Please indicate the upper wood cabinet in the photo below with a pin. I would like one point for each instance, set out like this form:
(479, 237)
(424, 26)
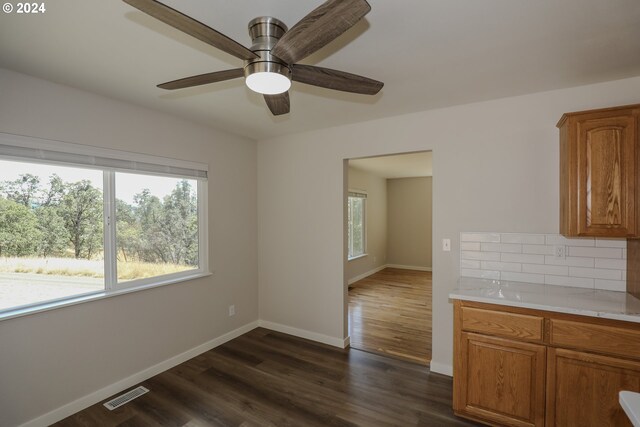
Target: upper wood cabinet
(599, 155)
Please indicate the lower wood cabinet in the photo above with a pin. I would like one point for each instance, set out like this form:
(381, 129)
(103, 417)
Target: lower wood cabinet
(583, 388)
(505, 380)
(519, 367)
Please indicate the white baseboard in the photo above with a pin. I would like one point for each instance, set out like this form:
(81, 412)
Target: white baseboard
(313, 336)
(346, 342)
(99, 395)
(408, 267)
(366, 274)
(441, 368)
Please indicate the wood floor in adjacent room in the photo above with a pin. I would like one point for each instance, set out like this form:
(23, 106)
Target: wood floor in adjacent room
(390, 313)
(266, 378)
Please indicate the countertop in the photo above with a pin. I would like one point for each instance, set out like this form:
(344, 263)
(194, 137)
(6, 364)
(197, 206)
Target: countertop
(630, 402)
(561, 299)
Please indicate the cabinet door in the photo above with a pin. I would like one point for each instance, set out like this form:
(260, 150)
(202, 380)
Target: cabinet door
(582, 389)
(500, 381)
(607, 176)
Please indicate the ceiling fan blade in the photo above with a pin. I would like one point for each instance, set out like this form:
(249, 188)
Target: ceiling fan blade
(334, 79)
(318, 28)
(278, 104)
(203, 79)
(192, 27)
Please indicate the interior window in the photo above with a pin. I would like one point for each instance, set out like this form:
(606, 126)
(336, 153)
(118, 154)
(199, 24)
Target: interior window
(356, 224)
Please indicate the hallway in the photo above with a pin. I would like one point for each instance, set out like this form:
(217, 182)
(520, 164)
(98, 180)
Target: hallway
(390, 314)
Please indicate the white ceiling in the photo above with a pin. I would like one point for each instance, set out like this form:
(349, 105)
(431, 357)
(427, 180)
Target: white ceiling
(429, 54)
(398, 166)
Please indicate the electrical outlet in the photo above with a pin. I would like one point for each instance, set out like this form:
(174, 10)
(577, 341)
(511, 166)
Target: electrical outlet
(446, 245)
(232, 310)
(559, 251)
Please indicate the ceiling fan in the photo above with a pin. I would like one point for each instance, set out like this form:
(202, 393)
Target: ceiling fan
(271, 63)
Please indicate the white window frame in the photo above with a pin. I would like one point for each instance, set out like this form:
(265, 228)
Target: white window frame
(363, 195)
(54, 152)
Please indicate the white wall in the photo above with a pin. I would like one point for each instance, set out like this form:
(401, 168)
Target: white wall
(409, 222)
(52, 358)
(495, 168)
(376, 223)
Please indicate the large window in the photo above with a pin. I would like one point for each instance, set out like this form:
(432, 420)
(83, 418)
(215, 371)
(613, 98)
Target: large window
(156, 226)
(51, 232)
(356, 224)
(74, 230)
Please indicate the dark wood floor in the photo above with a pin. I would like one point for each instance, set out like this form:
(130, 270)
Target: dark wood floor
(390, 313)
(265, 378)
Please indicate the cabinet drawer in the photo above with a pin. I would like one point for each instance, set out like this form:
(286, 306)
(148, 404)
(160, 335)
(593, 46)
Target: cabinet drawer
(499, 323)
(598, 338)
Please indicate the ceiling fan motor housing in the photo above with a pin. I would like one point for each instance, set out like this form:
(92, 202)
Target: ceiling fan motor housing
(265, 32)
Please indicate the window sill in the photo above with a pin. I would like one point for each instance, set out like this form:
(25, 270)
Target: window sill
(53, 305)
(357, 257)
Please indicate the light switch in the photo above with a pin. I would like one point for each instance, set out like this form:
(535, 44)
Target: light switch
(446, 245)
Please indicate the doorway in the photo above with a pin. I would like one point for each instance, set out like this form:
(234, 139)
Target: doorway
(388, 264)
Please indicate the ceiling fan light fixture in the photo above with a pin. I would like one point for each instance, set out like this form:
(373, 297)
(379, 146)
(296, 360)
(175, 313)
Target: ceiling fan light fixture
(267, 78)
(272, 62)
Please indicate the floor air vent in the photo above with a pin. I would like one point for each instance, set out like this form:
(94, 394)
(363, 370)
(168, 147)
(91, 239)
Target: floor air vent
(125, 398)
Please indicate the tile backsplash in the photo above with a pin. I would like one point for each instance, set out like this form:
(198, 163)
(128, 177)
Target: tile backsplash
(549, 259)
